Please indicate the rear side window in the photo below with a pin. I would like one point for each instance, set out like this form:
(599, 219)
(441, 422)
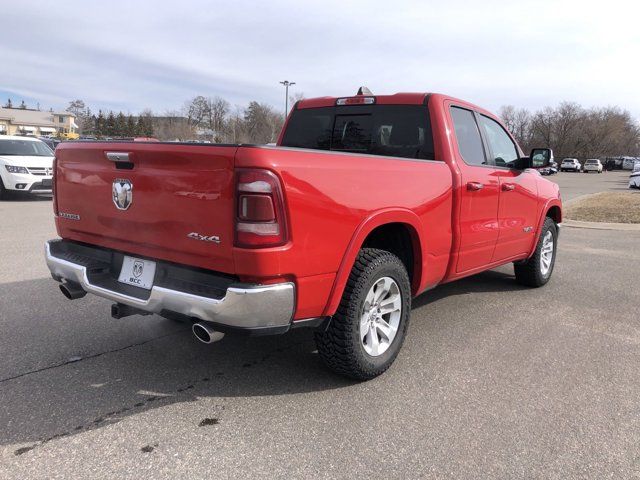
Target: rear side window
(468, 136)
(502, 148)
(389, 130)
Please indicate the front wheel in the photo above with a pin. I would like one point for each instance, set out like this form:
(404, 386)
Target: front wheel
(536, 271)
(366, 333)
(3, 191)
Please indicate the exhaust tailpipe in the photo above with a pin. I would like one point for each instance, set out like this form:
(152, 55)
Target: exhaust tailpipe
(205, 333)
(72, 290)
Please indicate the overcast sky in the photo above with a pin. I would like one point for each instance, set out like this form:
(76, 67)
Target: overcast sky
(130, 55)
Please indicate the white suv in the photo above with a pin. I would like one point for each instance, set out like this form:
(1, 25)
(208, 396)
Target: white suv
(593, 165)
(634, 178)
(570, 164)
(26, 165)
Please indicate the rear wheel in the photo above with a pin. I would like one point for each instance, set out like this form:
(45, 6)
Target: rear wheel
(367, 332)
(537, 270)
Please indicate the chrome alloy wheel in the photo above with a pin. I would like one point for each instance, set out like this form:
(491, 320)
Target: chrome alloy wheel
(380, 316)
(546, 254)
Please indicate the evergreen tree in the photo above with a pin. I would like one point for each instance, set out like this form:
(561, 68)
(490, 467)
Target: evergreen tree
(87, 121)
(140, 127)
(148, 127)
(121, 125)
(93, 125)
(9, 103)
(100, 124)
(110, 124)
(131, 127)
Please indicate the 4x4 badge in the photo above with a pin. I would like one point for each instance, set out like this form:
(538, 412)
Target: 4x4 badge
(204, 238)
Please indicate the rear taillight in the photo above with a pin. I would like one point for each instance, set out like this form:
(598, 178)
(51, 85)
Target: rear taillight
(53, 186)
(260, 214)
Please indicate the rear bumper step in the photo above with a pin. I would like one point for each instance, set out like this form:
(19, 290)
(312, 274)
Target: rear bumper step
(213, 298)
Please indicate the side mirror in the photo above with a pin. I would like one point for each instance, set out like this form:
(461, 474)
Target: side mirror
(541, 157)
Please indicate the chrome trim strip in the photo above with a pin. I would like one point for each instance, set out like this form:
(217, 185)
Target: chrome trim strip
(243, 306)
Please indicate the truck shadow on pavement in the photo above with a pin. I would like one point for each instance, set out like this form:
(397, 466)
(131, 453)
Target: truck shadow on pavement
(80, 389)
(490, 281)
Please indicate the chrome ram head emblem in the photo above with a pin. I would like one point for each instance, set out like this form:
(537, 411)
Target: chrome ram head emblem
(122, 191)
(138, 267)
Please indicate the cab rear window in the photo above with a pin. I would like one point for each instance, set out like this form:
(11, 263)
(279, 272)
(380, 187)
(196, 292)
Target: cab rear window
(389, 130)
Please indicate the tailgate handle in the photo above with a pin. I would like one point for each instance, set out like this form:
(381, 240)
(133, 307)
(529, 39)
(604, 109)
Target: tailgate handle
(118, 156)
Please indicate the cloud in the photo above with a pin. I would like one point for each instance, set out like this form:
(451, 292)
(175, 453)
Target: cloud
(157, 54)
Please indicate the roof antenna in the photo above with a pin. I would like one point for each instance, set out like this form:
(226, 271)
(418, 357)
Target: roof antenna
(364, 91)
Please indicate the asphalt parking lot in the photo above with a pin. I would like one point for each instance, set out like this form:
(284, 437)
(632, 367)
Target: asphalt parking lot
(494, 380)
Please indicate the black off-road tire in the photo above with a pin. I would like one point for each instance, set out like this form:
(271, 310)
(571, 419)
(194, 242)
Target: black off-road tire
(340, 346)
(529, 272)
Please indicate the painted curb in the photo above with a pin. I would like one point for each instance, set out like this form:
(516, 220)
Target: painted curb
(627, 227)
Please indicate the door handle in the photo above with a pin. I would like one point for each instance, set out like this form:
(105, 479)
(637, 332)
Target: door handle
(474, 186)
(508, 187)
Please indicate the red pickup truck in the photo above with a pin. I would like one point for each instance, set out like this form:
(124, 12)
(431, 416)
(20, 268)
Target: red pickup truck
(365, 202)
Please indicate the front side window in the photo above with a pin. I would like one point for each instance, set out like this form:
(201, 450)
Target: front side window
(503, 149)
(468, 136)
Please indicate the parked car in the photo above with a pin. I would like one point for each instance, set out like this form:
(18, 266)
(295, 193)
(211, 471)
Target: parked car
(593, 165)
(570, 165)
(552, 169)
(26, 165)
(628, 163)
(365, 202)
(634, 178)
(51, 142)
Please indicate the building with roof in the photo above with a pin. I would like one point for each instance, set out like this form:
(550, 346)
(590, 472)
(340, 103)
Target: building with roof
(25, 121)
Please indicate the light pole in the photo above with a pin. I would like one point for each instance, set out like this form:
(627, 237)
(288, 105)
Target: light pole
(286, 84)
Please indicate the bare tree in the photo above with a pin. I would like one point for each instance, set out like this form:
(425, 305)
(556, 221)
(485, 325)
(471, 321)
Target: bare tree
(197, 110)
(209, 115)
(218, 111)
(173, 125)
(262, 123)
(236, 132)
(295, 98)
(76, 107)
(573, 131)
(518, 121)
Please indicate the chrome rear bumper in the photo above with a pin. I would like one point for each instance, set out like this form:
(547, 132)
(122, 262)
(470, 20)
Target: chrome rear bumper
(244, 306)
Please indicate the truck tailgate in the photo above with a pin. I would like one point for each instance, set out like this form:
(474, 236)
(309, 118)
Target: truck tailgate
(181, 200)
